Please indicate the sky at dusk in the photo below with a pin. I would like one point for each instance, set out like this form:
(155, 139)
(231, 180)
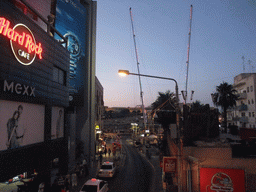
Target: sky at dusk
(222, 32)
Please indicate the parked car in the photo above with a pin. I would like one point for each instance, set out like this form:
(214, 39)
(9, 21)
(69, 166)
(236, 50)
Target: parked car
(95, 185)
(107, 169)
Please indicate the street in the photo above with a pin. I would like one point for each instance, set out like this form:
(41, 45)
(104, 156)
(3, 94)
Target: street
(135, 174)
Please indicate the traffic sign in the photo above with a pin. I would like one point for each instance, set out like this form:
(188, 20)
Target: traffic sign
(170, 164)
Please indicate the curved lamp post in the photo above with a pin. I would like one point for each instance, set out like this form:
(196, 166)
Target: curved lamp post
(126, 72)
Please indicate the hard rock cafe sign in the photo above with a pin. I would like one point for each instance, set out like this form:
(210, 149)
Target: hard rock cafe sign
(22, 42)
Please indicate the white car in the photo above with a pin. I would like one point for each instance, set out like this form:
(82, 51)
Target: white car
(95, 185)
(107, 169)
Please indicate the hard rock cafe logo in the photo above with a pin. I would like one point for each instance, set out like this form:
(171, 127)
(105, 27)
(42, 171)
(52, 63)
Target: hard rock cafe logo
(22, 41)
(221, 182)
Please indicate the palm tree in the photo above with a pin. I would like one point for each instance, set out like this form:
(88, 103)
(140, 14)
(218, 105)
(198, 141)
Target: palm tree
(164, 107)
(225, 97)
(196, 106)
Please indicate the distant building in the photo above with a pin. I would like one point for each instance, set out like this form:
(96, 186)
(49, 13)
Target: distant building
(243, 115)
(99, 109)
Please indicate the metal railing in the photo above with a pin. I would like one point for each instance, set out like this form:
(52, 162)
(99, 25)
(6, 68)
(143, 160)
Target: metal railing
(49, 25)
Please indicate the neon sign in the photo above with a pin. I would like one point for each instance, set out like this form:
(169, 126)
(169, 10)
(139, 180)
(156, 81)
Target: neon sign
(21, 37)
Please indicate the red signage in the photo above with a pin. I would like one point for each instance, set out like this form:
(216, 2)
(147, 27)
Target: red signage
(169, 164)
(220, 180)
(22, 41)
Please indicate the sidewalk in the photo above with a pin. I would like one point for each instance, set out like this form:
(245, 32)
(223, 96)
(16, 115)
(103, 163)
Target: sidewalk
(93, 169)
(157, 185)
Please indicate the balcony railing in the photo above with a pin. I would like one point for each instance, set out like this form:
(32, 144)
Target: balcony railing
(236, 118)
(243, 119)
(49, 25)
(242, 107)
(242, 95)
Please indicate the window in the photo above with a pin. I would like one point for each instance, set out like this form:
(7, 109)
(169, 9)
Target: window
(252, 101)
(249, 114)
(248, 102)
(247, 89)
(252, 114)
(243, 114)
(59, 76)
(251, 88)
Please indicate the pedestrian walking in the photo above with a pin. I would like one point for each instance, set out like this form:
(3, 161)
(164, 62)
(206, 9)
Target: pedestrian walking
(77, 169)
(85, 167)
(41, 187)
(105, 151)
(100, 158)
(109, 152)
(66, 184)
(148, 154)
(55, 186)
(68, 178)
(74, 179)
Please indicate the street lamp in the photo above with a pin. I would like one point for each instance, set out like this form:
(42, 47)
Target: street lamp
(126, 72)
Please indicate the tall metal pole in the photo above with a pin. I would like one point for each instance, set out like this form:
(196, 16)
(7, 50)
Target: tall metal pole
(179, 128)
(137, 59)
(189, 37)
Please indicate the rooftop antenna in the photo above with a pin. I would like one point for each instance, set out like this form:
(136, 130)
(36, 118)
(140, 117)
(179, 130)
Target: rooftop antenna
(250, 65)
(137, 59)
(189, 37)
(243, 64)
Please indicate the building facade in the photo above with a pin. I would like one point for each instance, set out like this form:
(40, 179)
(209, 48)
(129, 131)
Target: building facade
(243, 115)
(76, 21)
(47, 77)
(34, 93)
(99, 110)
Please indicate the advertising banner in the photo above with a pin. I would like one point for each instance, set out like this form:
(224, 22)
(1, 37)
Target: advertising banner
(220, 180)
(21, 124)
(71, 23)
(169, 164)
(57, 122)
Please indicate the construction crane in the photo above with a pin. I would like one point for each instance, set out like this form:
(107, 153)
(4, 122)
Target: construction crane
(137, 59)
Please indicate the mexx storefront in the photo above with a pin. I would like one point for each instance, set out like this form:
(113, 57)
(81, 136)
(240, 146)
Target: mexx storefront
(34, 71)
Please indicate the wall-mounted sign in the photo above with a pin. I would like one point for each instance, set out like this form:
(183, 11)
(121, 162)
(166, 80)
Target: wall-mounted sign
(169, 164)
(22, 41)
(21, 124)
(218, 180)
(19, 89)
(71, 22)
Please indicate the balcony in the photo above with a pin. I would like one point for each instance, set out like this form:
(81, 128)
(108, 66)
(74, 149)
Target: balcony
(243, 119)
(236, 118)
(242, 96)
(242, 107)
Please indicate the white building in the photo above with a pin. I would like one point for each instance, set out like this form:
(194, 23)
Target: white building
(243, 115)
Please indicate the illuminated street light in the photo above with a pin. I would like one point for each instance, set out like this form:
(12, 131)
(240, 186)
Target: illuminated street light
(177, 108)
(126, 72)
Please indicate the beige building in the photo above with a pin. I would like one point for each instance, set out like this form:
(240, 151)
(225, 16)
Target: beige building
(243, 115)
(215, 165)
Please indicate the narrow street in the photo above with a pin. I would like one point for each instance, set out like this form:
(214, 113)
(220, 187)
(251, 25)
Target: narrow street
(135, 174)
